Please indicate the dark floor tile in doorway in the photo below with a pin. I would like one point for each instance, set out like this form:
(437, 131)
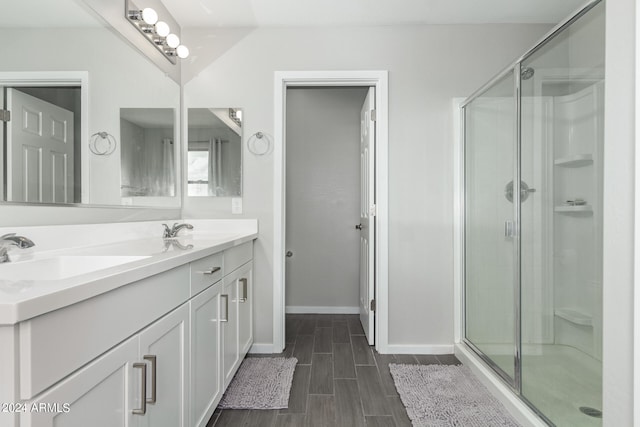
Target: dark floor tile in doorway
(362, 354)
(343, 365)
(321, 374)
(303, 349)
(323, 337)
(341, 332)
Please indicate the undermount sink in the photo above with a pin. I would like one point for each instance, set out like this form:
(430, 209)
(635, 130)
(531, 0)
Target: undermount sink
(61, 267)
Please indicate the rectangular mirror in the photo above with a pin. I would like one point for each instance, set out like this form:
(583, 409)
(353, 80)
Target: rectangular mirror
(148, 153)
(214, 152)
(52, 119)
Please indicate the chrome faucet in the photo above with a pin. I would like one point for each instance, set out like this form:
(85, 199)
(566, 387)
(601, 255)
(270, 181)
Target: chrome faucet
(9, 240)
(171, 233)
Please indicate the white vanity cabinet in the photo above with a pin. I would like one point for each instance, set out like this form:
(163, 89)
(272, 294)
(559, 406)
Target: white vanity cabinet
(109, 391)
(206, 382)
(157, 352)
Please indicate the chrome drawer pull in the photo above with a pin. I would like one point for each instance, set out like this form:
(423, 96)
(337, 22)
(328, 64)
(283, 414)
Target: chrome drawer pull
(143, 389)
(153, 360)
(226, 309)
(211, 270)
(244, 282)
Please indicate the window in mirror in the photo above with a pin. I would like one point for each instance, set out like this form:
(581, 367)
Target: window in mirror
(214, 153)
(147, 152)
(42, 140)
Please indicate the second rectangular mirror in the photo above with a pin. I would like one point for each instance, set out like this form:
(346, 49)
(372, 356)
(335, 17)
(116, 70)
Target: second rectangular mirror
(214, 153)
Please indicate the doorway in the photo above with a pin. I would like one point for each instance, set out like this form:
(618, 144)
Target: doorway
(323, 188)
(375, 211)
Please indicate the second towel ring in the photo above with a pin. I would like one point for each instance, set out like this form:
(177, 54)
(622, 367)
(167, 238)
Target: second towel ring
(259, 143)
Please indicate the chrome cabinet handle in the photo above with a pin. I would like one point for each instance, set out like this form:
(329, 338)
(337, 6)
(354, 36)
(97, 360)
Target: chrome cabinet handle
(226, 308)
(153, 360)
(143, 389)
(210, 271)
(244, 282)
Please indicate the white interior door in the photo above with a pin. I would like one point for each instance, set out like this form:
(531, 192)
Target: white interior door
(367, 215)
(39, 150)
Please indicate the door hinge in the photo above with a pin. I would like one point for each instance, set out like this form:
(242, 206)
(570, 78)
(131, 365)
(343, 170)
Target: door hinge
(373, 305)
(374, 115)
(373, 210)
(5, 115)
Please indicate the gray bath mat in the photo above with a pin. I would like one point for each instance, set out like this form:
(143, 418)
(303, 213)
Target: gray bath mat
(441, 395)
(260, 383)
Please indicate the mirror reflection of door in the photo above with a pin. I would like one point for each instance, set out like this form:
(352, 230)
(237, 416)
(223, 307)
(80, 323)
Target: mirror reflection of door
(40, 139)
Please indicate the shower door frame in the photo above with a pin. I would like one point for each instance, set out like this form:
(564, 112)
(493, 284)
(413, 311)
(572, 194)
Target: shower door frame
(514, 385)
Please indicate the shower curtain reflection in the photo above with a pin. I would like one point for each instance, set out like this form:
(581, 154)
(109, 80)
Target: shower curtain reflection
(147, 152)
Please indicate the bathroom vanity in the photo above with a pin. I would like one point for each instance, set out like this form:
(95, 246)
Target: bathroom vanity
(142, 332)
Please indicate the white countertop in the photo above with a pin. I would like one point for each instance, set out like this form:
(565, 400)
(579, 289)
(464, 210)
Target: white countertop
(23, 299)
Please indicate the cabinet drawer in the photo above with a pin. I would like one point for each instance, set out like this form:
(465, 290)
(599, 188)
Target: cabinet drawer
(205, 272)
(57, 343)
(237, 256)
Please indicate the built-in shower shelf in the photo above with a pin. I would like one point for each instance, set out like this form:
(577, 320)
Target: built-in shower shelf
(574, 316)
(570, 209)
(575, 161)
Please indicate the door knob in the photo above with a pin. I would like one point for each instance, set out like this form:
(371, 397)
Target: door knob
(359, 227)
(289, 254)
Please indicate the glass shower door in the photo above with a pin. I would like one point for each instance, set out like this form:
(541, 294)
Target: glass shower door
(562, 114)
(490, 245)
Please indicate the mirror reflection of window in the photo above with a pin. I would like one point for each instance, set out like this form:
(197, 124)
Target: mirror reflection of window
(214, 153)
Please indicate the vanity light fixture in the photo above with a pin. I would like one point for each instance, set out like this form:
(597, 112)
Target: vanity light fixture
(157, 32)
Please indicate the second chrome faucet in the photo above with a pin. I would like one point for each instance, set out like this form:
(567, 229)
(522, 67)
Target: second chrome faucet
(170, 233)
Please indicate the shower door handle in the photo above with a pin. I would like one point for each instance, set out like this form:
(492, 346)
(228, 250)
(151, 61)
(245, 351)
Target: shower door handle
(509, 228)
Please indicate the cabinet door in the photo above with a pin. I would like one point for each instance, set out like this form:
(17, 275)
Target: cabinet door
(229, 326)
(98, 395)
(164, 347)
(245, 309)
(206, 383)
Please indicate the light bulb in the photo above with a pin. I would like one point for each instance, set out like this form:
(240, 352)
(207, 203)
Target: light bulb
(173, 40)
(162, 29)
(182, 51)
(149, 16)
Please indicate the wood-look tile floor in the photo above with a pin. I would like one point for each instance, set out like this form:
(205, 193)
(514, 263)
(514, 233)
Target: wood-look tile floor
(339, 379)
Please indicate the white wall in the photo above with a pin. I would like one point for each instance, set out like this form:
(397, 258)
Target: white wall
(428, 65)
(619, 170)
(323, 198)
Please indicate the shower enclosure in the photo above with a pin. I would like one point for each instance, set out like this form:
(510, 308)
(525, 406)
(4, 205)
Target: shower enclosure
(532, 257)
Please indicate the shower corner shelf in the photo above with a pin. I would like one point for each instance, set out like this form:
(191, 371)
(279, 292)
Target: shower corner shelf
(575, 161)
(574, 316)
(572, 209)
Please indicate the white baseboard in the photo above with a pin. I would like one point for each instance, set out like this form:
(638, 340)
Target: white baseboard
(518, 409)
(261, 348)
(299, 309)
(419, 349)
